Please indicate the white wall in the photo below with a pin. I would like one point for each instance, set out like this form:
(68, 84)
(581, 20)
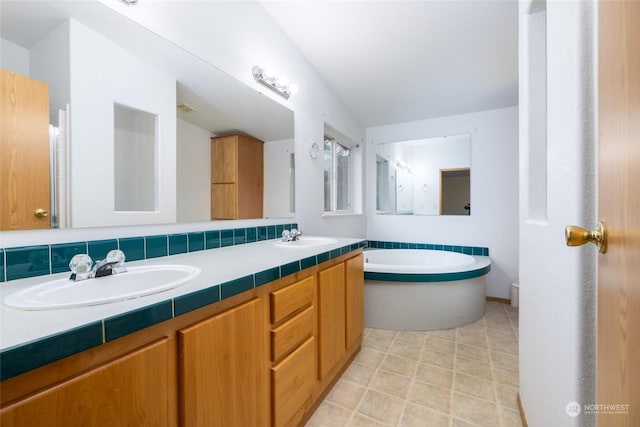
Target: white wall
(105, 74)
(49, 62)
(14, 57)
(277, 174)
(193, 173)
(494, 191)
(557, 283)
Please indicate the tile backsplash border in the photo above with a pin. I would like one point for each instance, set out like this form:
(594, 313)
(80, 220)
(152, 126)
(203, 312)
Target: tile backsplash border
(21, 262)
(38, 260)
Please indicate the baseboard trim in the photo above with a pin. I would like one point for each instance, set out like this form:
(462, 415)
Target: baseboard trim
(523, 417)
(502, 300)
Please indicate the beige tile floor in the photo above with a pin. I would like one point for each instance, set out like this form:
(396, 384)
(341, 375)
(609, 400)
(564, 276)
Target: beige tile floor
(459, 377)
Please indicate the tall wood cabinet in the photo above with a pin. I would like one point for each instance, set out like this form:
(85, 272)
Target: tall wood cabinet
(237, 177)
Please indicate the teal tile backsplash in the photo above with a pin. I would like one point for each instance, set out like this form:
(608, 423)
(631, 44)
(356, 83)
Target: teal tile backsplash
(27, 261)
(133, 248)
(226, 238)
(2, 269)
(157, 246)
(177, 244)
(98, 249)
(262, 233)
(212, 239)
(196, 241)
(61, 255)
(30, 261)
(239, 236)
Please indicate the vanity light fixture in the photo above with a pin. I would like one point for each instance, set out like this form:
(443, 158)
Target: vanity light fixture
(271, 82)
(129, 2)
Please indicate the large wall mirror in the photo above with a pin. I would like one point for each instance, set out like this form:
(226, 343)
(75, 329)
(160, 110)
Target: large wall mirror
(132, 116)
(424, 177)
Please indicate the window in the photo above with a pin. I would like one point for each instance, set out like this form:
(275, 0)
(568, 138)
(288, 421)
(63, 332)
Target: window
(337, 176)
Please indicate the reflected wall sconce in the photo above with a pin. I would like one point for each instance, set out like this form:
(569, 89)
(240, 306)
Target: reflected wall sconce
(314, 150)
(271, 82)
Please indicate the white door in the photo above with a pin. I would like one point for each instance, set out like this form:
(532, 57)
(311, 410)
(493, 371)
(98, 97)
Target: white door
(557, 187)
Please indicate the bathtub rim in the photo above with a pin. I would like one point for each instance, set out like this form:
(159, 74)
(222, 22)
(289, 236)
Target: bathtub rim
(481, 267)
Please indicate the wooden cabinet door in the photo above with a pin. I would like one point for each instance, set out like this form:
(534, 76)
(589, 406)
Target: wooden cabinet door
(130, 391)
(292, 382)
(224, 203)
(250, 178)
(224, 159)
(354, 294)
(331, 317)
(24, 152)
(222, 369)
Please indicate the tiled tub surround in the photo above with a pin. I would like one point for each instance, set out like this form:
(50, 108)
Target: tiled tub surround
(467, 250)
(33, 338)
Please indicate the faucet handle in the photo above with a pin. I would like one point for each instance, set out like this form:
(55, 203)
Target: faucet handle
(115, 257)
(81, 267)
(80, 263)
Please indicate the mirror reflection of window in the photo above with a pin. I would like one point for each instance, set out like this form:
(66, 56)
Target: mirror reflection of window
(382, 182)
(337, 175)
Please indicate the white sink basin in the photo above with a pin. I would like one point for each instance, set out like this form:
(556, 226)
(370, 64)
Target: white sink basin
(306, 242)
(135, 283)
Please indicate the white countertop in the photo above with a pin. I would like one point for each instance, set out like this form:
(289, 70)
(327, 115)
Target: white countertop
(18, 327)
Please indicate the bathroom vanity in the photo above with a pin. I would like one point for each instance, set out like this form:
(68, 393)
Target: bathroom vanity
(257, 357)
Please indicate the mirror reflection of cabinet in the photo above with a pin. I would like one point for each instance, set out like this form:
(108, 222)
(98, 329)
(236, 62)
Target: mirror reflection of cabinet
(24, 153)
(237, 177)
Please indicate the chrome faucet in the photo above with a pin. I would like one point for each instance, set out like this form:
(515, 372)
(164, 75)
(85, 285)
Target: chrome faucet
(291, 236)
(82, 266)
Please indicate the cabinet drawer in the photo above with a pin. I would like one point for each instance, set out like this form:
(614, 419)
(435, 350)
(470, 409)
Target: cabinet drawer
(293, 381)
(287, 301)
(287, 336)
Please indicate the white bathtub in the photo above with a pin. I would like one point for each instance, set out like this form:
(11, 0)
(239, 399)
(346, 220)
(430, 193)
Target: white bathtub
(415, 289)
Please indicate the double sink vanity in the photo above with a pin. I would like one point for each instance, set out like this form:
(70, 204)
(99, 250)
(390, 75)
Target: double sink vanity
(247, 335)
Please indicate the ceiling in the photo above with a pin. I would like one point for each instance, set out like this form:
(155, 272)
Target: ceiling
(395, 61)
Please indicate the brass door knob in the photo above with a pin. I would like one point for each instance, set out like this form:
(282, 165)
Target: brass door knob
(578, 236)
(41, 212)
